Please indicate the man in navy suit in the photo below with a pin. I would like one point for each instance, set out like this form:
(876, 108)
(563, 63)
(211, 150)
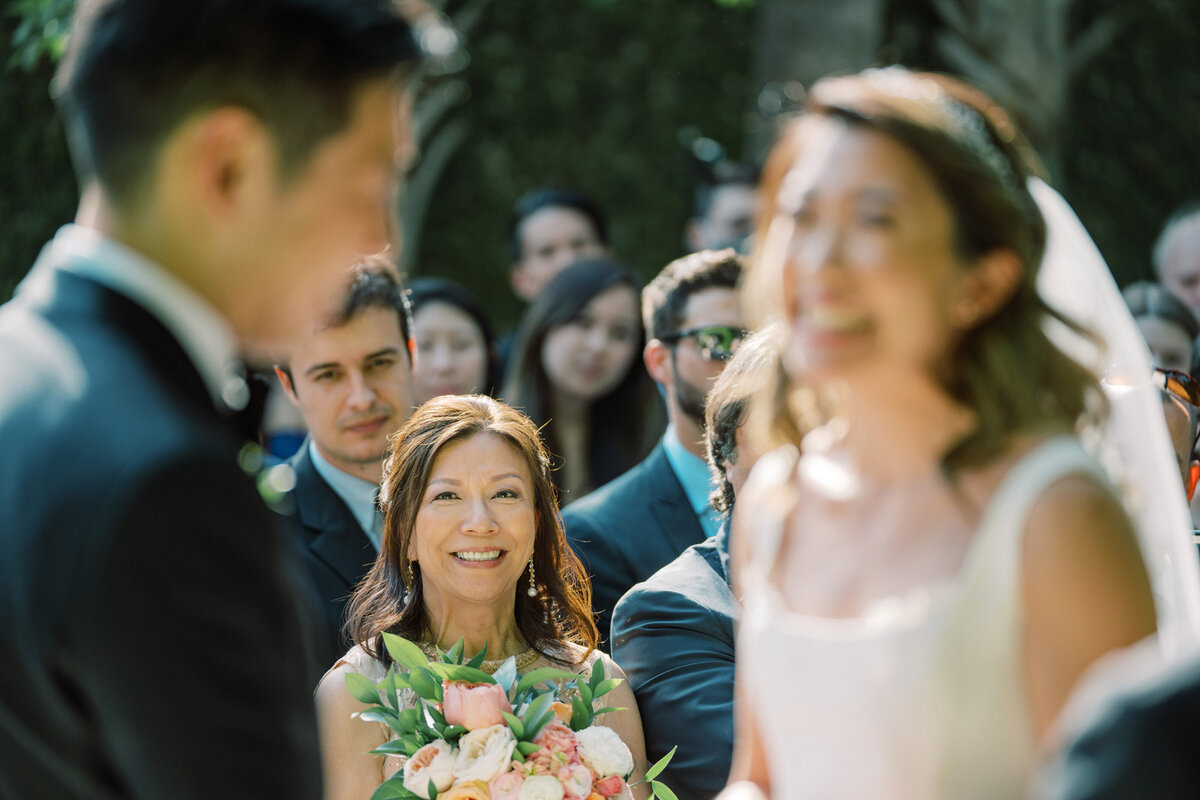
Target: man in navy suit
(673, 633)
(351, 379)
(233, 156)
(638, 522)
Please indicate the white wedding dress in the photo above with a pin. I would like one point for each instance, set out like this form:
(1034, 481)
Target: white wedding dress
(922, 697)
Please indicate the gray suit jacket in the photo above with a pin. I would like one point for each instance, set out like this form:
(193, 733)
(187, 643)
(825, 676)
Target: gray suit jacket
(673, 636)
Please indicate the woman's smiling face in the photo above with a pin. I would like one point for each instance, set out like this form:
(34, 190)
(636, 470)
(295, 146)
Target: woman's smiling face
(474, 530)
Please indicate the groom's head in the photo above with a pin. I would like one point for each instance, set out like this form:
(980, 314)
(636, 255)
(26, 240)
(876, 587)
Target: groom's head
(243, 144)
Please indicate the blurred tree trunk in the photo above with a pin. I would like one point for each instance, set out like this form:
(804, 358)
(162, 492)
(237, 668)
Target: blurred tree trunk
(799, 42)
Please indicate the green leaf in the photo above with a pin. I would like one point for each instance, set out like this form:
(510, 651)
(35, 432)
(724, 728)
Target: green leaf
(581, 714)
(514, 724)
(597, 675)
(478, 658)
(459, 672)
(384, 715)
(506, 675)
(606, 686)
(537, 708)
(454, 654)
(409, 718)
(528, 748)
(660, 765)
(585, 693)
(660, 789)
(387, 688)
(536, 676)
(396, 747)
(404, 652)
(610, 709)
(425, 685)
(362, 688)
(393, 789)
(452, 732)
(436, 716)
(433, 792)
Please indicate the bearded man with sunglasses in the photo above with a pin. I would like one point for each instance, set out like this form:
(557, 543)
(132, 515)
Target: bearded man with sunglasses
(629, 528)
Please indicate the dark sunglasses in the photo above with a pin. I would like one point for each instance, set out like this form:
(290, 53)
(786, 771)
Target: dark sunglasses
(716, 342)
(1184, 389)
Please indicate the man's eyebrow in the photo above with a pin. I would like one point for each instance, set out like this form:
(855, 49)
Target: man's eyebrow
(387, 351)
(322, 367)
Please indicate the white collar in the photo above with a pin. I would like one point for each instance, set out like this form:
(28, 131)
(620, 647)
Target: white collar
(205, 335)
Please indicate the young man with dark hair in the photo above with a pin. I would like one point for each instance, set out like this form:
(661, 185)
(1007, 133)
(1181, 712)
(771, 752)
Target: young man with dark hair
(351, 378)
(232, 157)
(627, 529)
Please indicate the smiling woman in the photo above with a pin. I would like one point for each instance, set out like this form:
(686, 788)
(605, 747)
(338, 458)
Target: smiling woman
(473, 550)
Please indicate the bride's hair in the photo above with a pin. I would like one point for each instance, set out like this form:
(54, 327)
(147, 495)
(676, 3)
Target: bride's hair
(1006, 368)
(560, 610)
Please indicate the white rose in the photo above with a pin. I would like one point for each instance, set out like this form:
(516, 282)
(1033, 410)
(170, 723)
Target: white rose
(602, 750)
(485, 753)
(541, 787)
(433, 762)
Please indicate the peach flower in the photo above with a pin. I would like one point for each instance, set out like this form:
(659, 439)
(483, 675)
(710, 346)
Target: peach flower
(612, 786)
(433, 762)
(467, 790)
(474, 705)
(507, 785)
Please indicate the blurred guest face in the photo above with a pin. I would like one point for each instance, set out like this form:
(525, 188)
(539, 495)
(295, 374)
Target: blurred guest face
(1169, 344)
(552, 239)
(730, 218)
(473, 533)
(352, 383)
(747, 456)
(451, 352)
(587, 357)
(870, 273)
(692, 374)
(1181, 267)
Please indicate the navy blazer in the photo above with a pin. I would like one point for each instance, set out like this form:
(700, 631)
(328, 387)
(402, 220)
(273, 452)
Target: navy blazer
(1142, 745)
(628, 529)
(150, 620)
(337, 553)
(673, 636)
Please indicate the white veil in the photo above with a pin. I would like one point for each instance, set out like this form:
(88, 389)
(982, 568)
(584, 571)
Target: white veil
(1133, 444)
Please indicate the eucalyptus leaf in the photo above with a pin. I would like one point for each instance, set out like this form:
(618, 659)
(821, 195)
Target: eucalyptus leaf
(660, 765)
(606, 686)
(534, 677)
(514, 724)
(534, 727)
(538, 707)
(661, 790)
(506, 676)
(404, 652)
(362, 688)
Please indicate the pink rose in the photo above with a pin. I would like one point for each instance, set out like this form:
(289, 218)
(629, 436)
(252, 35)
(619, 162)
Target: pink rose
(507, 785)
(576, 780)
(473, 705)
(611, 786)
(558, 739)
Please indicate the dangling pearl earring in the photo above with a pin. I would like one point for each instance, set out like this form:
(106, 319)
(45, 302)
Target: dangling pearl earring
(408, 584)
(532, 590)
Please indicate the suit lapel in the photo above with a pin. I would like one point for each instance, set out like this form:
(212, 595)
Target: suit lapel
(339, 540)
(672, 512)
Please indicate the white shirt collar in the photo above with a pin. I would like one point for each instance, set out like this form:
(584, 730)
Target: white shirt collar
(205, 335)
(358, 494)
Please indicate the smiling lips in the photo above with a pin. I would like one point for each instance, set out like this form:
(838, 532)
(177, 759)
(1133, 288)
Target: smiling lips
(479, 555)
(369, 425)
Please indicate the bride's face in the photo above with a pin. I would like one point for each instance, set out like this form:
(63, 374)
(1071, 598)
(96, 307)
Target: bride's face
(870, 275)
(474, 529)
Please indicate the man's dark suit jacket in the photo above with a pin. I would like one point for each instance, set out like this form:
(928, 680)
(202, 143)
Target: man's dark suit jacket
(152, 638)
(628, 529)
(673, 636)
(1141, 747)
(336, 552)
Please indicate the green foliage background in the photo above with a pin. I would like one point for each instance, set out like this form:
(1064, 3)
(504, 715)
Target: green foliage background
(599, 94)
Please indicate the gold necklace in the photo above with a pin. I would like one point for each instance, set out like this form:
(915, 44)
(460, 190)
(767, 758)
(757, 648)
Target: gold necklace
(524, 658)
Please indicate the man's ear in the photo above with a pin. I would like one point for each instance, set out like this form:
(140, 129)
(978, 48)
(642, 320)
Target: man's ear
(657, 357)
(232, 160)
(988, 285)
(286, 383)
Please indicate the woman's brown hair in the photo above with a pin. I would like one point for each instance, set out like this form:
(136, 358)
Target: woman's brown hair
(561, 610)
(1005, 368)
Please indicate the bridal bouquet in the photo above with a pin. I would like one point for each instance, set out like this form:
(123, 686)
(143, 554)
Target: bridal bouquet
(475, 736)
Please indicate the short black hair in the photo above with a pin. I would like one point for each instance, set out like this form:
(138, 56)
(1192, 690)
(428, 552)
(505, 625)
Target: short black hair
(134, 70)
(553, 197)
(726, 173)
(664, 300)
